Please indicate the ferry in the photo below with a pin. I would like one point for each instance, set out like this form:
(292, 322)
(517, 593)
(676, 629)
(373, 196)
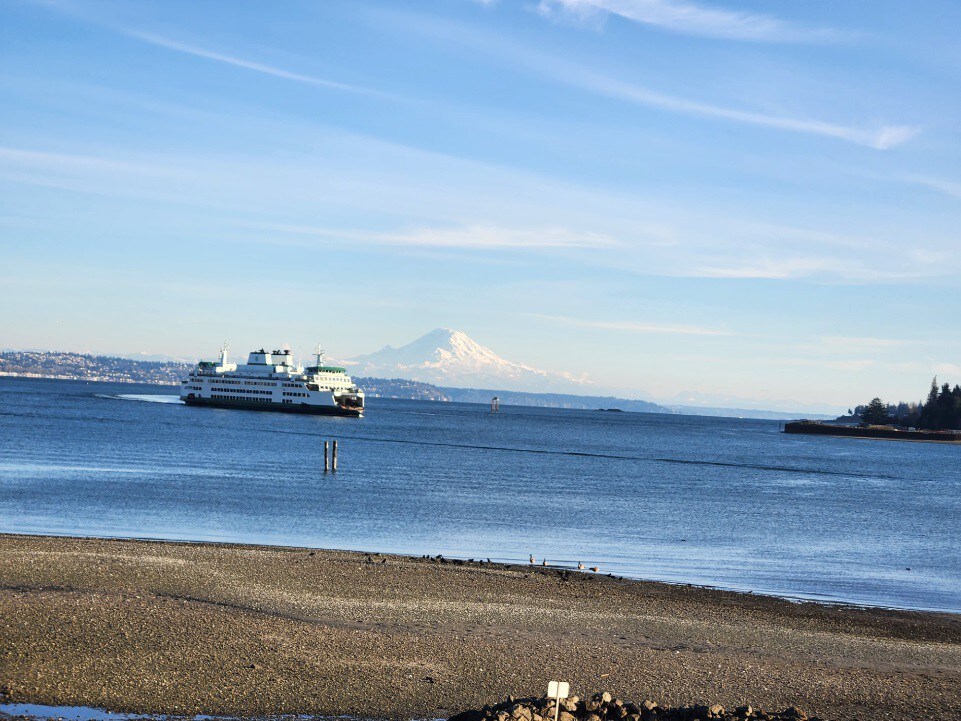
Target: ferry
(271, 381)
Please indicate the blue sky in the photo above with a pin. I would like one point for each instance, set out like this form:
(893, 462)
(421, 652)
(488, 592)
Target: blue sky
(760, 199)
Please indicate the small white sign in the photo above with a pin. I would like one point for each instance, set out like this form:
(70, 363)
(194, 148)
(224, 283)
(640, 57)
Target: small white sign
(558, 689)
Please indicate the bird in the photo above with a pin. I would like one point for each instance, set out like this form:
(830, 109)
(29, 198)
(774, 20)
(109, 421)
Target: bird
(544, 562)
(595, 569)
(532, 558)
(580, 566)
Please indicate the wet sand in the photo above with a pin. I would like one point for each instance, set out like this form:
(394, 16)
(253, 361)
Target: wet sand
(249, 630)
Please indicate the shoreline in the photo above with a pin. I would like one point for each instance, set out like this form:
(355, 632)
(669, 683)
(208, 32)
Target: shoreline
(244, 630)
(880, 433)
(517, 565)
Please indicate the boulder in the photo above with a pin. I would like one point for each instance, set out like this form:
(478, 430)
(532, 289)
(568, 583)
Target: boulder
(520, 712)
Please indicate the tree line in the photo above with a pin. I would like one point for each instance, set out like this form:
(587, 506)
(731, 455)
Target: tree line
(940, 412)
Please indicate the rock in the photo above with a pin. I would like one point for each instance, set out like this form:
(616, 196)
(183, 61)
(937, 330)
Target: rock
(520, 712)
(604, 707)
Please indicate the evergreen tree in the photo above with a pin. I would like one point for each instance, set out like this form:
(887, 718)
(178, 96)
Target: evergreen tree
(876, 413)
(929, 411)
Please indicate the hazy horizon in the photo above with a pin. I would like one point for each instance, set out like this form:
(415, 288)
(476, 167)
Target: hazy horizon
(741, 199)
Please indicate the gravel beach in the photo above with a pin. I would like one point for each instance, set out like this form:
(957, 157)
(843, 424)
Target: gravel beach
(248, 630)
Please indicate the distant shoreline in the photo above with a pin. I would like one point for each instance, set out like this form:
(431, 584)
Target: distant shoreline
(184, 628)
(474, 396)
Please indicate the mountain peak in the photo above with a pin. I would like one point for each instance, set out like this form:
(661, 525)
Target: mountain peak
(449, 357)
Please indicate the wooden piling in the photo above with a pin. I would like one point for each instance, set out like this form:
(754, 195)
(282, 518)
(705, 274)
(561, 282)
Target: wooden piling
(334, 457)
(326, 458)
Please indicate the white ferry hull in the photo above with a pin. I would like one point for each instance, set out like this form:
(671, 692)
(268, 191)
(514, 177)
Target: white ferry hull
(331, 410)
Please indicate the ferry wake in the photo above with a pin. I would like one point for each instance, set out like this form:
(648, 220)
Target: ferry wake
(270, 381)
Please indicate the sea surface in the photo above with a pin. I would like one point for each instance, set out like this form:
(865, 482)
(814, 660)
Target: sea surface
(711, 501)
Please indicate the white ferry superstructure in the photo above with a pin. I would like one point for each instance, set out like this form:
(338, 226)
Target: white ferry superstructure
(271, 381)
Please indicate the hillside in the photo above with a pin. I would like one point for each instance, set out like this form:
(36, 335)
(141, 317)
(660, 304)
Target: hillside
(78, 366)
(552, 400)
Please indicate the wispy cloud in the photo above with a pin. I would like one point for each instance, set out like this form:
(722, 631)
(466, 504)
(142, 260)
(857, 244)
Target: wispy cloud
(768, 268)
(691, 19)
(634, 326)
(83, 13)
(881, 138)
(797, 267)
(468, 236)
(854, 344)
(57, 162)
(950, 188)
(196, 51)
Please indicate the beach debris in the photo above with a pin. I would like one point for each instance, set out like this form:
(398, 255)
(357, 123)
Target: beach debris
(605, 705)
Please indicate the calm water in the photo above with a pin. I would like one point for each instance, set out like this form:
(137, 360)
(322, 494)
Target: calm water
(723, 502)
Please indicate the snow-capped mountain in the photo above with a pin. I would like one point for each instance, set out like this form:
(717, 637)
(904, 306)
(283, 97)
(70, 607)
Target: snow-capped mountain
(448, 357)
